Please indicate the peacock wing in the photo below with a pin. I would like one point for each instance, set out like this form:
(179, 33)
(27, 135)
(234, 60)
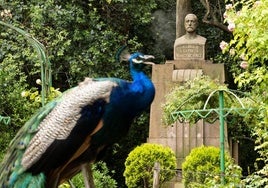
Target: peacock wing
(66, 127)
(49, 135)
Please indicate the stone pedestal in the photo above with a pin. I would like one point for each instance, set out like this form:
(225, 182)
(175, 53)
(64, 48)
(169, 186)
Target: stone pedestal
(182, 137)
(190, 49)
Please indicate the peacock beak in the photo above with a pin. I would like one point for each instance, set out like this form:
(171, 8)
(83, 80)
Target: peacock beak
(147, 57)
(148, 63)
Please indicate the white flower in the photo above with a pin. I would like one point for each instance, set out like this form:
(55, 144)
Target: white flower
(223, 45)
(231, 26)
(243, 57)
(228, 6)
(24, 94)
(232, 51)
(6, 13)
(225, 15)
(257, 3)
(244, 64)
(38, 81)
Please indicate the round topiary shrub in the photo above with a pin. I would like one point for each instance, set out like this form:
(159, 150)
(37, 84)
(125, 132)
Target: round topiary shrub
(140, 163)
(202, 168)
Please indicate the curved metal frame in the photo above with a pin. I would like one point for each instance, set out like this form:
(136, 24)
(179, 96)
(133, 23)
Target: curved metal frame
(222, 113)
(45, 65)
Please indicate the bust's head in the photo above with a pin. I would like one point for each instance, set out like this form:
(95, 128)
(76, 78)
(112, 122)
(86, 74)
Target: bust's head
(190, 23)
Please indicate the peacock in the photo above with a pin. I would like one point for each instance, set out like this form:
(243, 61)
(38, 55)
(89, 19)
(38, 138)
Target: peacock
(76, 128)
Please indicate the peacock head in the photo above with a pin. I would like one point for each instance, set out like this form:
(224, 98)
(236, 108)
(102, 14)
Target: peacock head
(138, 59)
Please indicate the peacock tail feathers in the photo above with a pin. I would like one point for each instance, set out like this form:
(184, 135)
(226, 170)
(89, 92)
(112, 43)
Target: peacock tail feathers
(64, 117)
(26, 180)
(12, 173)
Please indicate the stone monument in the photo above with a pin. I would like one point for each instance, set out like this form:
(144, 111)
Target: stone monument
(189, 62)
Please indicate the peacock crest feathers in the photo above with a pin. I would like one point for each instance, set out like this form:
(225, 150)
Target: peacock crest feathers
(122, 54)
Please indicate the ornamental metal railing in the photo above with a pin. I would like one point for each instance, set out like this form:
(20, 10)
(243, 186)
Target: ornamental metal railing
(5, 120)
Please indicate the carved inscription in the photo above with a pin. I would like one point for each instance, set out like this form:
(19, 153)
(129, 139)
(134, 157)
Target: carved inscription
(190, 51)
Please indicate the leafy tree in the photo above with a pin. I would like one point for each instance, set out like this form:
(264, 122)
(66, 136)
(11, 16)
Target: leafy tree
(247, 20)
(102, 176)
(249, 43)
(140, 163)
(81, 37)
(201, 168)
(13, 83)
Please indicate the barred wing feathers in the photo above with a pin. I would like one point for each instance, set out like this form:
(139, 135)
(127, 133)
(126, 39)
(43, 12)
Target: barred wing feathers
(51, 132)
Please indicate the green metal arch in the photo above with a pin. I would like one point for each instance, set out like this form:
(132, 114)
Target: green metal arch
(45, 65)
(221, 112)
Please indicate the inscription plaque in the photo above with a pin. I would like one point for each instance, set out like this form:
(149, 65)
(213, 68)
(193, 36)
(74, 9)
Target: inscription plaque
(190, 51)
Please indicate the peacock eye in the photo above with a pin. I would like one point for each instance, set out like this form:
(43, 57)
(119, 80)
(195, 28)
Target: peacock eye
(21, 145)
(137, 61)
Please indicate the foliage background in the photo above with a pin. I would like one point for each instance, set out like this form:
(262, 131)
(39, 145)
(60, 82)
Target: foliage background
(249, 19)
(82, 37)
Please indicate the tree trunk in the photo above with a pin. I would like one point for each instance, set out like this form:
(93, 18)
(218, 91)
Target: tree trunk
(182, 9)
(88, 176)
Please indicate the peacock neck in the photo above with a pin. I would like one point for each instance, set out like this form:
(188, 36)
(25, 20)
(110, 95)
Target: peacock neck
(137, 74)
(140, 79)
(142, 86)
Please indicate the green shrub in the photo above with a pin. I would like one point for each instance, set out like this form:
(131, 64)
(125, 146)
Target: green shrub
(202, 168)
(140, 163)
(101, 176)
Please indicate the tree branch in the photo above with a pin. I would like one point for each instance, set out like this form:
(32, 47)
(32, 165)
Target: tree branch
(218, 25)
(210, 16)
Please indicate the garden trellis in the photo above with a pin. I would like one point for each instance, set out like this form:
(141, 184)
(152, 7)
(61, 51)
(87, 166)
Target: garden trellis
(218, 113)
(45, 63)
